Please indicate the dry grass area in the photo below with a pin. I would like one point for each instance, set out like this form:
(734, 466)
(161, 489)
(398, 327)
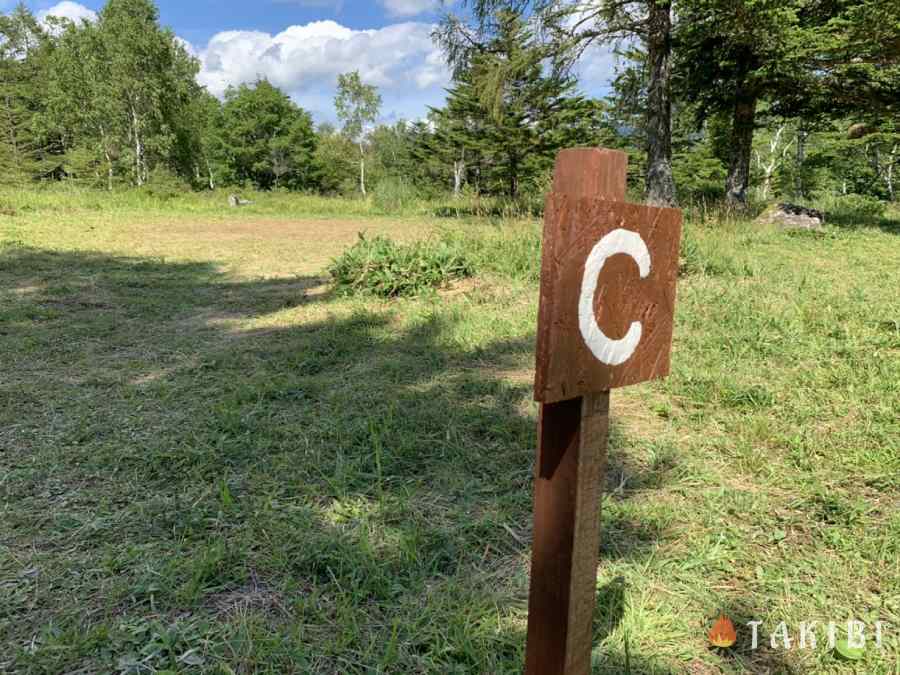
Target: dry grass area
(243, 245)
(209, 462)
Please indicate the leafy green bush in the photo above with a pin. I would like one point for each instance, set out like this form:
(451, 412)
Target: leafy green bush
(164, 185)
(382, 267)
(853, 206)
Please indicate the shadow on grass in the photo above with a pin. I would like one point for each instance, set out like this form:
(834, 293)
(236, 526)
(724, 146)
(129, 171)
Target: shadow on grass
(372, 470)
(852, 221)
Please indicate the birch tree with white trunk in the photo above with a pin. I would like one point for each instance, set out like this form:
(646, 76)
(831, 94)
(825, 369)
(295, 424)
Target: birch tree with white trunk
(358, 106)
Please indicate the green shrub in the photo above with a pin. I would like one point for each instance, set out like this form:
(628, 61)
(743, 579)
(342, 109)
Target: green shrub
(855, 207)
(164, 185)
(382, 267)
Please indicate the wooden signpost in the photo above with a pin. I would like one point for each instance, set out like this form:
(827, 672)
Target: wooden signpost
(607, 308)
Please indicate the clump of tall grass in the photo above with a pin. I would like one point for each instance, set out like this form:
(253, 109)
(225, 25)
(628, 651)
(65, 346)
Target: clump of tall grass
(393, 196)
(710, 251)
(510, 251)
(852, 209)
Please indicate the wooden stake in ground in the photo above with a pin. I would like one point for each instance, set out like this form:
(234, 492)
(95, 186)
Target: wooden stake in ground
(607, 308)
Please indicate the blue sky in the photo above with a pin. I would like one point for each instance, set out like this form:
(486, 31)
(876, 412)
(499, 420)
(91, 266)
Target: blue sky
(302, 45)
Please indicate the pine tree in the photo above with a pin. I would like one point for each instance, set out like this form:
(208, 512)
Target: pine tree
(508, 114)
(25, 150)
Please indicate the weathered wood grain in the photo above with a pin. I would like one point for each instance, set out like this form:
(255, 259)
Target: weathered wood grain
(568, 474)
(591, 172)
(565, 365)
(586, 222)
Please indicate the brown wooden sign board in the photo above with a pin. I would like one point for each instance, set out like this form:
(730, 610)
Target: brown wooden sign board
(607, 308)
(607, 295)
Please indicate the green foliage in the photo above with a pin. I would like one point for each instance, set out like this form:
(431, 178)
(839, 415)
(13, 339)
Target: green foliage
(393, 195)
(699, 174)
(854, 208)
(265, 139)
(335, 162)
(26, 146)
(115, 103)
(379, 266)
(118, 95)
(396, 156)
(847, 652)
(507, 114)
(165, 185)
(357, 105)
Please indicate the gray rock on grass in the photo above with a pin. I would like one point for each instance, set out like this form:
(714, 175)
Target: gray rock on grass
(234, 201)
(793, 217)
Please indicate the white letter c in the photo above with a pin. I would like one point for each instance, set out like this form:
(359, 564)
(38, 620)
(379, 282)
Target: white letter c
(610, 352)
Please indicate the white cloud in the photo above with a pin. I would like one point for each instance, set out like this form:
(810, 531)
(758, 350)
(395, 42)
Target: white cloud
(188, 47)
(409, 7)
(597, 68)
(68, 10)
(400, 59)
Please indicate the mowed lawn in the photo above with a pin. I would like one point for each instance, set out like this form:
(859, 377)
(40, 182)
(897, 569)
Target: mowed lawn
(210, 463)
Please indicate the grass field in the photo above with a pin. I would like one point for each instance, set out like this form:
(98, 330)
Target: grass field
(211, 463)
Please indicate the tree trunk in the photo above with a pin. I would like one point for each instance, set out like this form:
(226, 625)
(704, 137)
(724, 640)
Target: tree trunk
(660, 182)
(775, 160)
(742, 128)
(799, 188)
(362, 176)
(138, 147)
(459, 169)
(889, 172)
(109, 172)
(109, 162)
(362, 170)
(212, 181)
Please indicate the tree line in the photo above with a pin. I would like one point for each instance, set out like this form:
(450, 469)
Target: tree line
(712, 99)
(702, 78)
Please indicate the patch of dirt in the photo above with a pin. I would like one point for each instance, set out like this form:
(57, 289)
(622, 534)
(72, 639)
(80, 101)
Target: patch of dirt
(629, 408)
(461, 287)
(513, 376)
(253, 597)
(316, 230)
(260, 248)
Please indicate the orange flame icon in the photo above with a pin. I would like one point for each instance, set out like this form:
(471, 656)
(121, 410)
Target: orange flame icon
(723, 634)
